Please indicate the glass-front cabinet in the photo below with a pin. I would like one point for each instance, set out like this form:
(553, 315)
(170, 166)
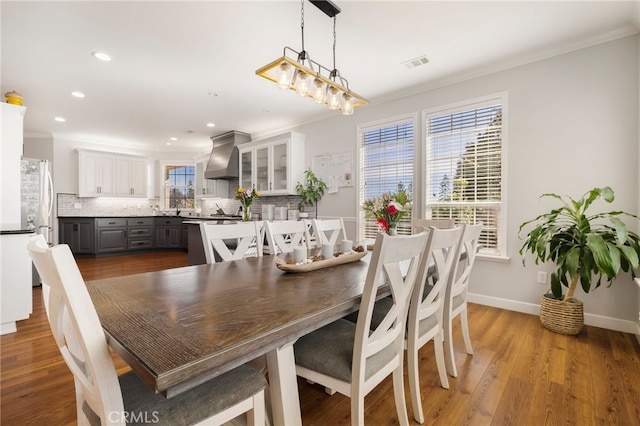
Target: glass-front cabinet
(273, 166)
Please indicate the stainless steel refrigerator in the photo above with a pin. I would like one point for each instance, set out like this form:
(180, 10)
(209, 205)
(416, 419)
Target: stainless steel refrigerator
(36, 199)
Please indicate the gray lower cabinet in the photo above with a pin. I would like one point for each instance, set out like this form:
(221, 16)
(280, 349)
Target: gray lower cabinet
(111, 235)
(79, 234)
(169, 232)
(140, 233)
(122, 234)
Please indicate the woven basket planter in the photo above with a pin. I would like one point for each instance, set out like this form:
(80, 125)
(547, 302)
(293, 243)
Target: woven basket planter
(560, 316)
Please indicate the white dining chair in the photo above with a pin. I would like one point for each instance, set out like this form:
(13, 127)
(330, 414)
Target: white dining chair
(456, 295)
(349, 357)
(328, 231)
(232, 241)
(420, 225)
(284, 235)
(425, 321)
(103, 398)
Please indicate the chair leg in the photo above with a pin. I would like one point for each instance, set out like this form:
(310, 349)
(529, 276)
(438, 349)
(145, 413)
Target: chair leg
(449, 359)
(256, 416)
(357, 410)
(414, 381)
(398, 391)
(438, 343)
(465, 331)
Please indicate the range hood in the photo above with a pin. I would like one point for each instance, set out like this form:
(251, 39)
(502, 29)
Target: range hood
(223, 161)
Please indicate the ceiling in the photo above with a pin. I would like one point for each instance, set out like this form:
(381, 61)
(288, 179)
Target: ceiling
(179, 65)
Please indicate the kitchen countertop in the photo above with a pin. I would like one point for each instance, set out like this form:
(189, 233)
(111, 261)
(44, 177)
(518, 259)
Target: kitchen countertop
(16, 231)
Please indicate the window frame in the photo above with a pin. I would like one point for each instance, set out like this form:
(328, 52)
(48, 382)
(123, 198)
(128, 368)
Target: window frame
(163, 186)
(501, 97)
(411, 119)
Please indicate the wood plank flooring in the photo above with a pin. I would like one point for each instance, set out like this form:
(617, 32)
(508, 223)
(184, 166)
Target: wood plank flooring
(521, 374)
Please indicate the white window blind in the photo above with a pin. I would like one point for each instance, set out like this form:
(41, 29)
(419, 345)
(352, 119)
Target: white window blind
(464, 168)
(386, 165)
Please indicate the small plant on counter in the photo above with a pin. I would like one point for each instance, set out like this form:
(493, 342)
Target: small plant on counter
(311, 191)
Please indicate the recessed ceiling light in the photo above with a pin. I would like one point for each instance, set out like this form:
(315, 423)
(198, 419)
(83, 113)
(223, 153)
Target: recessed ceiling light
(168, 143)
(60, 119)
(211, 125)
(77, 94)
(173, 139)
(214, 94)
(102, 56)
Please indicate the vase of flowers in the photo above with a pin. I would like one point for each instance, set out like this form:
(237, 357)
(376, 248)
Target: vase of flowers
(246, 198)
(388, 210)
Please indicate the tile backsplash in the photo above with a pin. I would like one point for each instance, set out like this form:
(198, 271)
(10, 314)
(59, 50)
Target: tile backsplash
(72, 205)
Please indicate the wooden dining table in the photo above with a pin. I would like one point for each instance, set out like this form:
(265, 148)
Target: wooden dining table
(180, 327)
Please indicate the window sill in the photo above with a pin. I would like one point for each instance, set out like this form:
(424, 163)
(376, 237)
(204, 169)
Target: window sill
(493, 258)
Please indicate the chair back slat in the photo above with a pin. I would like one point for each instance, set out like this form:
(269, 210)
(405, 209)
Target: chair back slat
(459, 280)
(283, 236)
(247, 236)
(328, 231)
(442, 253)
(386, 266)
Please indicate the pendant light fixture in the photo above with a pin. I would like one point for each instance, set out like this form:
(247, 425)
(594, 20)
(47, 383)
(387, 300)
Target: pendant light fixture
(309, 78)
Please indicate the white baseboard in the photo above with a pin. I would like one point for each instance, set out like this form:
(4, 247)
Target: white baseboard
(534, 309)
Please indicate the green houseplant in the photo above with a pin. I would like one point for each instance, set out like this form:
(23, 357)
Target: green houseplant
(586, 249)
(310, 191)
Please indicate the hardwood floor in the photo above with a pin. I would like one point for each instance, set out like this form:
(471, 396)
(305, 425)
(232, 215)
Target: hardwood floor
(521, 373)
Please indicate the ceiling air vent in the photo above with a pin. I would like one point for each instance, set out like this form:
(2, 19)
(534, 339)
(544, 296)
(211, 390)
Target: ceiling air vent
(412, 63)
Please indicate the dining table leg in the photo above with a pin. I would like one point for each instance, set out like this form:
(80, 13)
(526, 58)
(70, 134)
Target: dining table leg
(283, 384)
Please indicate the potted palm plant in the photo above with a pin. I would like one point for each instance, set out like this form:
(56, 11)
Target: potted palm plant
(310, 192)
(586, 249)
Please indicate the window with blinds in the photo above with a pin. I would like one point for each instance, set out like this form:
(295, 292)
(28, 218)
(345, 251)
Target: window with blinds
(464, 169)
(386, 165)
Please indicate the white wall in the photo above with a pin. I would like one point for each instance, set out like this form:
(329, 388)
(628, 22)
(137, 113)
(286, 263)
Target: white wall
(573, 125)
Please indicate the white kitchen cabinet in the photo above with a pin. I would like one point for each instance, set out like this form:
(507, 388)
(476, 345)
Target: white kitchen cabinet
(131, 177)
(15, 280)
(209, 188)
(104, 174)
(10, 153)
(273, 166)
(97, 174)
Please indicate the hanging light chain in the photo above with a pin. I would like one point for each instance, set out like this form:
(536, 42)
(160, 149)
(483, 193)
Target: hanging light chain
(302, 22)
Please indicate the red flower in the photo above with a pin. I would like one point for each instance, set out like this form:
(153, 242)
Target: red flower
(391, 209)
(384, 224)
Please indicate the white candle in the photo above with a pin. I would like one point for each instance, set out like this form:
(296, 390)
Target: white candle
(346, 246)
(299, 254)
(327, 251)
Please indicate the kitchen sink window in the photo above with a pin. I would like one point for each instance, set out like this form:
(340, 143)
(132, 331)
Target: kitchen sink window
(386, 165)
(465, 172)
(178, 184)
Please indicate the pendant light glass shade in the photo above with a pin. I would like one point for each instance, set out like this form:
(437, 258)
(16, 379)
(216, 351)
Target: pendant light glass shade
(318, 91)
(283, 79)
(334, 98)
(347, 104)
(302, 83)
